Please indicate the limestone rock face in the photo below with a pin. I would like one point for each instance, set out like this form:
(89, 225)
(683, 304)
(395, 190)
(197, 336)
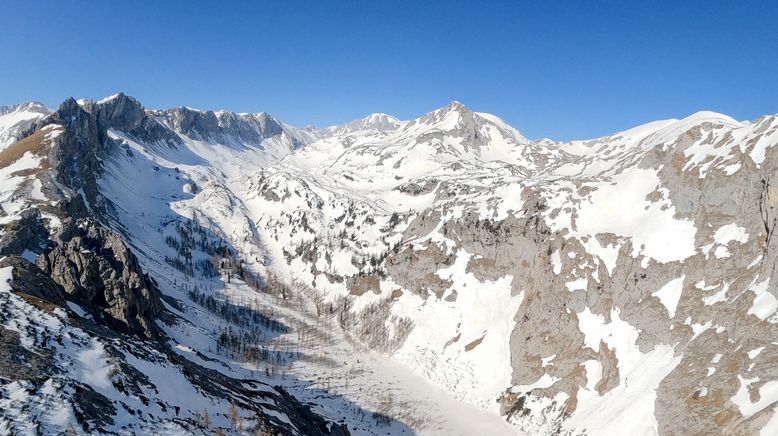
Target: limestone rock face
(96, 269)
(28, 279)
(209, 125)
(28, 233)
(81, 320)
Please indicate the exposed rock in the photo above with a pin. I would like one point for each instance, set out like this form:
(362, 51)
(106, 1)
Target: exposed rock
(98, 270)
(28, 279)
(27, 233)
(362, 284)
(20, 363)
(208, 125)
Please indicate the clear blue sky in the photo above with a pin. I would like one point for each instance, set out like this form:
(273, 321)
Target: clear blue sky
(551, 69)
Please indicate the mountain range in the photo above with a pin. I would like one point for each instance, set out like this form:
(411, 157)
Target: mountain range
(185, 271)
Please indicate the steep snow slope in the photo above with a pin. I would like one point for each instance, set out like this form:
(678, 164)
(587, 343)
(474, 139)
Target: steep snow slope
(440, 275)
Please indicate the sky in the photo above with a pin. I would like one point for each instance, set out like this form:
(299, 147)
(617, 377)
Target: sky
(557, 69)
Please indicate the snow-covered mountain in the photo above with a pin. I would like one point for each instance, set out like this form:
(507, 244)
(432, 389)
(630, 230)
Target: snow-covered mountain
(16, 119)
(377, 122)
(442, 275)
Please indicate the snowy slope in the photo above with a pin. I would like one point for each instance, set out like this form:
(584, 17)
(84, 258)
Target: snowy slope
(439, 275)
(16, 119)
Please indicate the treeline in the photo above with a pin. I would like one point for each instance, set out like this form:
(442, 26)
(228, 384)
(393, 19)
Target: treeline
(191, 237)
(253, 348)
(242, 316)
(369, 325)
(217, 257)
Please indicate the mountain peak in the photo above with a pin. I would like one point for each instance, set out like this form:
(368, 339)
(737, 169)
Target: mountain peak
(116, 96)
(449, 116)
(710, 117)
(375, 122)
(28, 106)
(452, 106)
(455, 105)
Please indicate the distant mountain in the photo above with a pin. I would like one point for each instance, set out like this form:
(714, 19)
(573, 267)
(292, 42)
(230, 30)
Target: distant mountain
(372, 123)
(441, 275)
(16, 119)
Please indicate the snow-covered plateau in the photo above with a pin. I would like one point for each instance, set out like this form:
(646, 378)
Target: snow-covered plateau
(186, 271)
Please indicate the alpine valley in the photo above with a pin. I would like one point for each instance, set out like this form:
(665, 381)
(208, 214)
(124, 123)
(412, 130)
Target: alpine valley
(185, 271)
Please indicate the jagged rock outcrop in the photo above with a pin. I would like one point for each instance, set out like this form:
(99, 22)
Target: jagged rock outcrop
(97, 269)
(209, 125)
(635, 270)
(27, 278)
(28, 233)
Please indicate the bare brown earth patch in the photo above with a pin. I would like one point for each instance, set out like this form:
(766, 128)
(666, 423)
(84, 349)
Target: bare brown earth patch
(361, 285)
(475, 343)
(38, 302)
(34, 144)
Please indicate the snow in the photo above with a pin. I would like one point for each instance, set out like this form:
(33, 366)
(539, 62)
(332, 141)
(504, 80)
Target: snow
(723, 236)
(755, 352)
(765, 304)
(577, 285)
(95, 369)
(768, 394)
(673, 130)
(77, 309)
(698, 329)
(618, 335)
(483, 373)
(543, 382)
(15, 119)
(597, 192)
(771, 428)
(730, 232)
(29, 255)
(759, 150)
(619, 207)
(628, 408)
(556, 262)
(108, 99)
(670, 294)
(718, 296)
(593, 373)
